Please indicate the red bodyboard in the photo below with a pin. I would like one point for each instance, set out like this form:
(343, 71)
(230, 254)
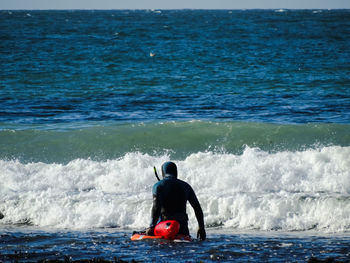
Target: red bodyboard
(177, 238)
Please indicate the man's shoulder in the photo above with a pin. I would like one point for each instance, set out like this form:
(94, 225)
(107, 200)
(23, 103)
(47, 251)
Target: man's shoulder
(156, 185)
(172, 181)
(184, 184)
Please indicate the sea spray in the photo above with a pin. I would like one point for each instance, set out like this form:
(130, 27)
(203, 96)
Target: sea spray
(287, 190)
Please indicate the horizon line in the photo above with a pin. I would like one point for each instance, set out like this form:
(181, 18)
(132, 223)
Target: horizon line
(162, 9)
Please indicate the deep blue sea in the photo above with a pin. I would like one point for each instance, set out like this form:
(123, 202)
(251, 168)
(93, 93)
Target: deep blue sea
(252, 105)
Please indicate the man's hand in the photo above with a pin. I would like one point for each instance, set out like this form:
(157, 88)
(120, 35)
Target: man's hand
(150, 231)
(201, 234)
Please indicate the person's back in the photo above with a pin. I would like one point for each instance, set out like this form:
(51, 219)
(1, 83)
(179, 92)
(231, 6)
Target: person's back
(173, 194)
(170, 196)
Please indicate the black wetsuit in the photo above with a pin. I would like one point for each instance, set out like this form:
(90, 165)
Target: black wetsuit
(170, 196)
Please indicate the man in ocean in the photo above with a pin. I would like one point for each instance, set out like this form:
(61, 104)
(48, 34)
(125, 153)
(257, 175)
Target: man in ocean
(170, 196)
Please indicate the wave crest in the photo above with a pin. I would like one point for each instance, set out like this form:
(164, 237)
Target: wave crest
(289, 191)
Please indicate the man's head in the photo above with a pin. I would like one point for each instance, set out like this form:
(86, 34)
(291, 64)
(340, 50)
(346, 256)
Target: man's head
(169, 168)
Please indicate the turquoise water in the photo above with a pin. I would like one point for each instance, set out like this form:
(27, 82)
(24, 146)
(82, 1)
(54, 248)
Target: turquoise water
(177, 139)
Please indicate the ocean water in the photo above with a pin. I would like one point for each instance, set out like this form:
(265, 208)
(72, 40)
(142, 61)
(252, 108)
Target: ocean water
(252, 105)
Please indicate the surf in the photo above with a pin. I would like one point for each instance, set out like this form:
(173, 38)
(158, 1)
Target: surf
(256, 190)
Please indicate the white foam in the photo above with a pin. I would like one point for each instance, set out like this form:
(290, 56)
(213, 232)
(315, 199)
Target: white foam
(256, 190)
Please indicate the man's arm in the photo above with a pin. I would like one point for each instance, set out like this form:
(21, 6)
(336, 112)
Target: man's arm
(199, 214)
(155, 213)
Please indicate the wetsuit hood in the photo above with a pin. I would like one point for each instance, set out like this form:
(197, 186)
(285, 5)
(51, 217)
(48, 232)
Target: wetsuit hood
(169, 169)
